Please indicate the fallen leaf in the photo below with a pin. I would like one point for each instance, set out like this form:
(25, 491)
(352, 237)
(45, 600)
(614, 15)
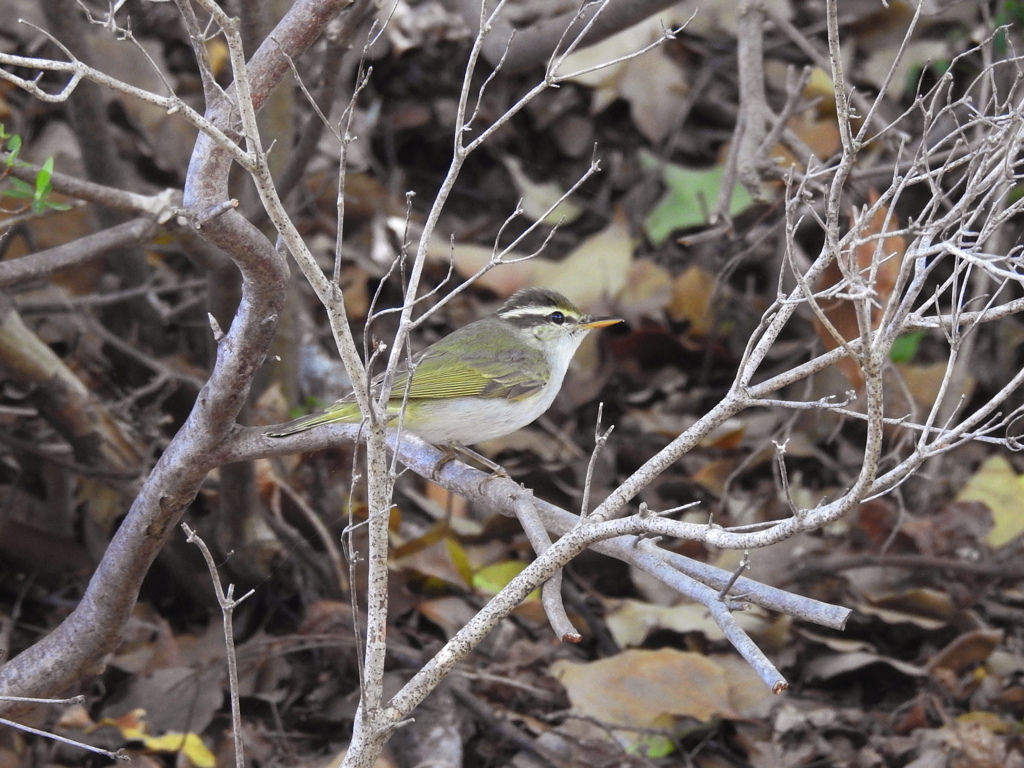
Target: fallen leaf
(435, 561)
(597, 269)
(655, 110)
(450, 613)
(631, 621)
(133, 727)
(714, 474)
(639, 688)
(966, 650)
(491, 579)
(998, 487)
(469, 258)
(875, 261)
(188, 744)
(692, 294)
(647, 292)
(539, 199)
(605, 81)
(830, 666)
(924, 381)
(690, 196)
(929, 609)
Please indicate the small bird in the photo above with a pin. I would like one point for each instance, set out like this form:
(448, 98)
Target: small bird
(484, 380)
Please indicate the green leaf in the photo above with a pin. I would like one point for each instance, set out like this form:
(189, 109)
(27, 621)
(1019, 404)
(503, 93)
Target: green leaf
(50, 205)
(905, 347)
(44, 175)
(13, 147)
(491, 579)
(460, 558)
(690, 195)
(44, 188)
(40, 204)
(652, 746)
(19, 189)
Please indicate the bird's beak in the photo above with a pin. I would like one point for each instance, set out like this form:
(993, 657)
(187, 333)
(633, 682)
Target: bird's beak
(587, 322)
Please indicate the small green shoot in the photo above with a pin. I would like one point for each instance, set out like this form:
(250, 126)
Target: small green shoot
(40, 193)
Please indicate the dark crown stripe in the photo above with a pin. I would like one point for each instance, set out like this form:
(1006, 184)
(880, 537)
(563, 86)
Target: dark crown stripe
(537, 300)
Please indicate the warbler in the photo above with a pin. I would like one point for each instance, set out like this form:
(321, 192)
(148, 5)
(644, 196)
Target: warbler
(482, 381)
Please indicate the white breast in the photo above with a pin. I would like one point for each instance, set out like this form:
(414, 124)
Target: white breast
(470, 420)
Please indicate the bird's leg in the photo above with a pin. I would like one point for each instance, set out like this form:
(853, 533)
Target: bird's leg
(451, 450)
(496, 469)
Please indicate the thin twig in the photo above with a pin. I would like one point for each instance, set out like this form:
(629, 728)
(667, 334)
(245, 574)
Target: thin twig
(227, 603)
(600, 439)
(118, 756)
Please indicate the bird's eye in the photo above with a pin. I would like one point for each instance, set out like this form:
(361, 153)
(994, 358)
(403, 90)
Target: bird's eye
(557, 318)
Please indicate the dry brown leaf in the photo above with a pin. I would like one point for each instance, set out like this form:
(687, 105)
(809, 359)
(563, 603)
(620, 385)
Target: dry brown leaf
(640, 688)
(924, 381)
(996, 485)
(820, 134)
(966, 650)
(714, 474)
(605, 81)
(692, 294)
(596, 270)
(816, 126)
(842, 313)
(647, 292)
(503, 280)
(431, 557)
(926, 608)
(455, 505)
(655, 110)
(539, 197)
(976, 740)
(631, 621)
(449, 613)
(829, 666)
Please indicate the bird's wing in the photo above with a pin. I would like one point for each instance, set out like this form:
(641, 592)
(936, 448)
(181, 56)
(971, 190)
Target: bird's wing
(447, 370)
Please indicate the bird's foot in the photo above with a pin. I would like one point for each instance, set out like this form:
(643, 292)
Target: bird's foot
(453, 449)
(447, 454)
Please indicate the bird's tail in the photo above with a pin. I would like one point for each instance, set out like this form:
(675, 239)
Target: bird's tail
(339, 413)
